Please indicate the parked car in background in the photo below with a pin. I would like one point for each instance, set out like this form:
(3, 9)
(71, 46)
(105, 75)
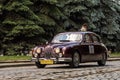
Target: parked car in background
(71, 48)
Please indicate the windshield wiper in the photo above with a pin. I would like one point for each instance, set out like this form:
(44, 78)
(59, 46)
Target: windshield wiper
(64, 40)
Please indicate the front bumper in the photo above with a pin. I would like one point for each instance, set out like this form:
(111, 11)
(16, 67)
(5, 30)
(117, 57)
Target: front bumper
(55, 60)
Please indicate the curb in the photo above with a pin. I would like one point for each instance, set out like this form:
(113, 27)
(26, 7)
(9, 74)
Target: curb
(20, 63)
(113, 59)
(24, 61)
(16, 65)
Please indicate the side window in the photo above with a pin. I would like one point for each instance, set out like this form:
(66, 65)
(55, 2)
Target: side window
(88, 38)
(95, 39)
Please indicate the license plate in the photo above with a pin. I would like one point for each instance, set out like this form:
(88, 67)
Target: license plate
(46, 61)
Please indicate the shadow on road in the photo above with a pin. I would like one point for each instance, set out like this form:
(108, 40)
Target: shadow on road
(68, 67)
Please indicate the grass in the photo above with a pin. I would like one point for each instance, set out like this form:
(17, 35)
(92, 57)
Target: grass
(115, 54)
(17, 58)
(14, 58)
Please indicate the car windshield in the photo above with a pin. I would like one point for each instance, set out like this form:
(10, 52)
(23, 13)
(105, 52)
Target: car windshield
(67, 37)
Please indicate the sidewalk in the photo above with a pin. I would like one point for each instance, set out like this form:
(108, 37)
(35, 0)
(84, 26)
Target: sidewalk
(29, 63)
(114, 59)
(4, 64)
(16, 64)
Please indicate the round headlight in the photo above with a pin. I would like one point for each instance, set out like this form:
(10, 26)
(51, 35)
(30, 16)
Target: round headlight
(60, 54)
(57, 50)
(38, 50)
(35, 55)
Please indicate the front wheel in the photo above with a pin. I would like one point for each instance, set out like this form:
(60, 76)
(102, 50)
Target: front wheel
(103, 61)
(39, 65)
(75, 60)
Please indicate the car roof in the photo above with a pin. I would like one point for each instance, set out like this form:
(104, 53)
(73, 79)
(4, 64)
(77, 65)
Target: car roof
(81, 32)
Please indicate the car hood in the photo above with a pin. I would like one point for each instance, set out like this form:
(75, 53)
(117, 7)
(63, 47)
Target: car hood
(66, 44)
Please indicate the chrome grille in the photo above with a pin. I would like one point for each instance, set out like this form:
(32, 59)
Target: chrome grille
(49, 53)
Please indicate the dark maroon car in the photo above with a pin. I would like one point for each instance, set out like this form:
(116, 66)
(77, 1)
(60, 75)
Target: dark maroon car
(71, 48)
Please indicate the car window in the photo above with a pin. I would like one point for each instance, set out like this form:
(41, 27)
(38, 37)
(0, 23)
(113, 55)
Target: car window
(95, 39)
(88, 38)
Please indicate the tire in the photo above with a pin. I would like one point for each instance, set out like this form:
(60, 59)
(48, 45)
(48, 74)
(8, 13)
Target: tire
(103, 61)
(38, 65)
(75, 60)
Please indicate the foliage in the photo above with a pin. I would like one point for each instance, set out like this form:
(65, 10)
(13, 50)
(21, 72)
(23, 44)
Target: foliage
(115, 54)
(25, 23)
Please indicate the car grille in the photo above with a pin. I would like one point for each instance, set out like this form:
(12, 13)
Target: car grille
(49, 53)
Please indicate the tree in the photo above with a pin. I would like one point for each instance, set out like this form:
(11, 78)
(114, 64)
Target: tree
(25, 23)
(19, 24)
(29, 22)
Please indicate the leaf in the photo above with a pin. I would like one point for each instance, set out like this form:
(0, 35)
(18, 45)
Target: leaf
(92, 3)
(16, 19)
(57, 13)
(73, 9)
(26, 2)
(46, 20)
(50, 1)
(27, 31)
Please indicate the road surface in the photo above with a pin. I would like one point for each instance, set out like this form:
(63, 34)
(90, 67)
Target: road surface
(86, 71)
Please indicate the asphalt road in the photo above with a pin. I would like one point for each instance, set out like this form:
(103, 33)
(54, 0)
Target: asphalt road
(86, 71)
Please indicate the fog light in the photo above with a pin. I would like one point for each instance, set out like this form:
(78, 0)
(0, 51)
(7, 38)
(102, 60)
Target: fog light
(35, 55)
(60, 54)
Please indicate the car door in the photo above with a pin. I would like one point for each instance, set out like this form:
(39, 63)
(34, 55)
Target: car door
(89, 42)
(96, 43)
(85, 44)
(87, 48)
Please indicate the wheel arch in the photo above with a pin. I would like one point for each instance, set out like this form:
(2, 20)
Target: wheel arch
(106, 55)
(80, 55)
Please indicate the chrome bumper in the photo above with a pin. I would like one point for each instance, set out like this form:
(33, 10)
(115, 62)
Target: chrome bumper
(54, 59)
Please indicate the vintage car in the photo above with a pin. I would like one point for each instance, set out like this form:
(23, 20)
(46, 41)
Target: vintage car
(71, 48)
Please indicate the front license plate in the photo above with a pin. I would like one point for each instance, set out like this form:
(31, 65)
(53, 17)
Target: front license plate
(46, 61)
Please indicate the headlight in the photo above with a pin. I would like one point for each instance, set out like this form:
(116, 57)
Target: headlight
(57, 50)
(60, 54)
(35, 55)
(64, 49)
(38, 50)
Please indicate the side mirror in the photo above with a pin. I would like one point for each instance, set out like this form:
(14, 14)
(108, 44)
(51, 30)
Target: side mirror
(100, 41)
